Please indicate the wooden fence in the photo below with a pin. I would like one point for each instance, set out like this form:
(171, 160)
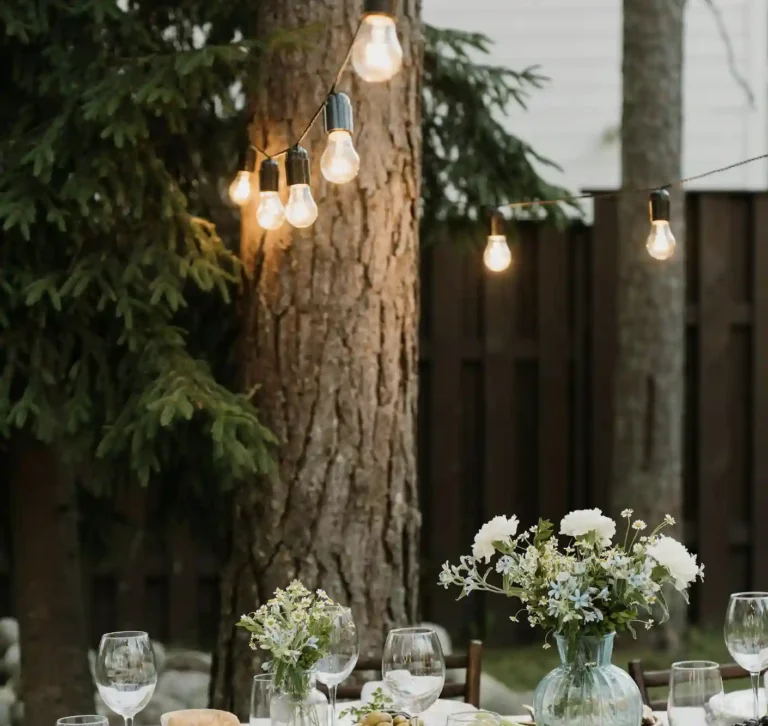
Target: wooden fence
(515, 417)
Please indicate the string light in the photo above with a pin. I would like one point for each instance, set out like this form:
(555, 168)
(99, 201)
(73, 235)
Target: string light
(497, 255)
(377, 55)
(661, 242)
(301, 210)
(240, 188)
(271, 212)
(340, 162)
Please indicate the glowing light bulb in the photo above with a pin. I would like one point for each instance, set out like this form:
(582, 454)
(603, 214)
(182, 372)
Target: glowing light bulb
(661, 242)
(497, 256)
(340, 162)
(377, 55)
(301, 210)
(240, 188)
(271, 212)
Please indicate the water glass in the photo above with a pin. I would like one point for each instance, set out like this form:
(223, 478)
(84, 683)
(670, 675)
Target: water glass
(83, 721)
(341, 656)
(474, 718)
(413, 668)
(746, 636)
(695, 693)
(261, 692)
(125, 672)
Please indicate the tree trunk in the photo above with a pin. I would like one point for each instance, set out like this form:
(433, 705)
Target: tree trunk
(648, 447)
(330, 337)
(47, 585)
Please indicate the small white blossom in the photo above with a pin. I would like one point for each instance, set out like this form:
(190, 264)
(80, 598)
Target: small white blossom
(638, 524)
(669, 519)
(627, 513)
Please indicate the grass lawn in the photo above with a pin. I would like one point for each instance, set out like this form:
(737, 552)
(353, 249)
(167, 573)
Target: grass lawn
(522, 667)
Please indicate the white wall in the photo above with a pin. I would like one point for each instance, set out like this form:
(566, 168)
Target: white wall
(575, 119)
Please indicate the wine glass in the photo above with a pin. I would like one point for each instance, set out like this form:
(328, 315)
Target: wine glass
(341, 655)
(746, 636)
(480, 717)
(125, 672)
(91, 720)
(261, 692)
(413, 668)
(695, 693)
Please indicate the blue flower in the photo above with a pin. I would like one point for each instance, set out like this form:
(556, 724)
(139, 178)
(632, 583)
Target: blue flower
(603, 594)
(638, 580)
(505, 565)
(580, 601)
(593, 616)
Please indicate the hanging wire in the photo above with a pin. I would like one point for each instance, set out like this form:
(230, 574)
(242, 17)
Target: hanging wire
(638, 190)
(320, 108)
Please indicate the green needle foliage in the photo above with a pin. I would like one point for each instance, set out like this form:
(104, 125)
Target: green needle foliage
(471, 162)
(116, 127)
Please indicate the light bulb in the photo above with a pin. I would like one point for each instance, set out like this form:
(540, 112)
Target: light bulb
(497, 256)
(301, 210)
(377, 55)
(271, 212)
(340, 162)
(240, 188)
(661, 242)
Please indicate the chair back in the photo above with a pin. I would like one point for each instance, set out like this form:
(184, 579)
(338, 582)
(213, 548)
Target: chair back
(469, 690)
(199, 717)
(657, 679)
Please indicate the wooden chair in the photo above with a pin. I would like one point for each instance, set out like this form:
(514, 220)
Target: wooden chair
(469, 690)
(656, 679)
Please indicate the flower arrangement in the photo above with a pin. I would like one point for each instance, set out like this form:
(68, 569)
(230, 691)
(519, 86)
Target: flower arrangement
(591, 586)
(295, 627)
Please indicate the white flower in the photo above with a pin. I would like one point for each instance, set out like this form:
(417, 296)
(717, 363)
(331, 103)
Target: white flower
(669, 519)
(499, 529)
(638, 524)
(626, 513)
(583, 521)
(669, 553)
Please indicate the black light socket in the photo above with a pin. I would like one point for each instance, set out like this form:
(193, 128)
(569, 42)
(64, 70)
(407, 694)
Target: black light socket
(338, 113)
(297, 166)
(658, 203)
(379, 7)
(495, 223)
(269, 176)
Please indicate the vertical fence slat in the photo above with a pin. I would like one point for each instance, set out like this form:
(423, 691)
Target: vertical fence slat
(603, 344)
(131, 576)
(713, 393)
(554, 374)
(445, 442)
(182, 590)
(759, 428)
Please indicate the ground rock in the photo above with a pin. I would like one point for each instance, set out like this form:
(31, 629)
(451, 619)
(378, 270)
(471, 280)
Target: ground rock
(442, 634)
(188, 687)
(160, 655)
(188, 660)
(12, 661)
(5, 715)
(9, 633)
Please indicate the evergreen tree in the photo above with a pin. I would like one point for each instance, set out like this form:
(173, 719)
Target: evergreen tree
(115, 127)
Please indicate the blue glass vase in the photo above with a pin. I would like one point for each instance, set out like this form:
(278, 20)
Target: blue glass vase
(586, 689)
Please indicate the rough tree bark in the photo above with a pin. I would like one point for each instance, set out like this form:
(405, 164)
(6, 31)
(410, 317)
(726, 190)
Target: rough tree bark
(56, 680)
(648, 447)
(330, 335)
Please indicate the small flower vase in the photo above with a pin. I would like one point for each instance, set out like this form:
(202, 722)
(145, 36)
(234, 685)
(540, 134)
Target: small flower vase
(296, 701)
(586, 689)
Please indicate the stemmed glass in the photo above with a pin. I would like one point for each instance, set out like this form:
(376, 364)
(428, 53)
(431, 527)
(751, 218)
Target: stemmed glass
(695, 691)
(413, 668)
(746, 636)
(341, 656)
(125, 672)
(91, 720)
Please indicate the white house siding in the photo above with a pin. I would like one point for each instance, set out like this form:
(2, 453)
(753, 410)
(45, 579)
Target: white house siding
(577, 43)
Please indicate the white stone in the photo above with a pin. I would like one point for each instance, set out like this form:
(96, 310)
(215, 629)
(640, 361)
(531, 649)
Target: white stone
(5, 714)
(9, 633)
(12, 661)
(159, 705)
(160, 655)
(188, 687)
(188, 660)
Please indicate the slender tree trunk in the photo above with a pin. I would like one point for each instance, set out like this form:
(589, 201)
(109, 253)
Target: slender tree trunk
(648, 448)
(329, 334)
(48, 593)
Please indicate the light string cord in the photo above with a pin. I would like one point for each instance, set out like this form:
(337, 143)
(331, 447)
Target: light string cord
(320, 108)
(640, 190)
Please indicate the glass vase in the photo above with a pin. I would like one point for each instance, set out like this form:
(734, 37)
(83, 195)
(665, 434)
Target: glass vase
(586, 689)
(296, 701)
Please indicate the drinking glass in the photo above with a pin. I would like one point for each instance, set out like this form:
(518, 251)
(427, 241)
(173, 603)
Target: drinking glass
(341, 656)
(83, 721)
(695, 692)
(125, 672)
(413, 668)
(746, 635)
(261, 692)
(479, 717)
